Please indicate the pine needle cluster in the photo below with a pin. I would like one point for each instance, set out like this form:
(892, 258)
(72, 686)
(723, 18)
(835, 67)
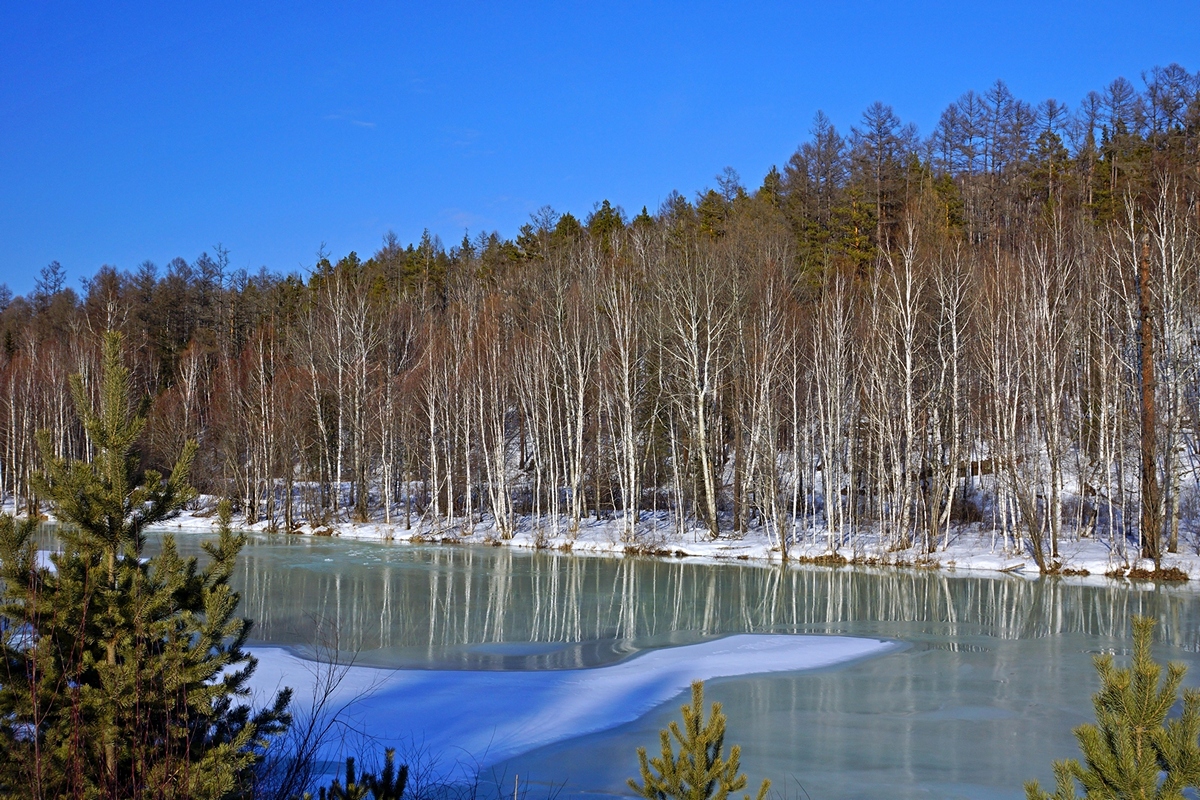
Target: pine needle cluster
(700, 771)
(389, 784)
(1133, 751)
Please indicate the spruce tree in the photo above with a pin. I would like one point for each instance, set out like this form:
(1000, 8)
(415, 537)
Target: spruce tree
(124, 676)
(700, 771)
(1133, 751)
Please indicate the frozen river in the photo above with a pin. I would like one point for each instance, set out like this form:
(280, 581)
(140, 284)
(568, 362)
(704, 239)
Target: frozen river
(556, 667)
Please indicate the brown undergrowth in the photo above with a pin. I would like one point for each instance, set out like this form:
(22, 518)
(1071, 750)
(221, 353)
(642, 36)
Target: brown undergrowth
(1160, 575)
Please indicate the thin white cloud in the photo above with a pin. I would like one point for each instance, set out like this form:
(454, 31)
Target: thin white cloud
(350, 117)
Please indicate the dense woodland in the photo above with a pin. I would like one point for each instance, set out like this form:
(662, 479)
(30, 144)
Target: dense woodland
(997, 323)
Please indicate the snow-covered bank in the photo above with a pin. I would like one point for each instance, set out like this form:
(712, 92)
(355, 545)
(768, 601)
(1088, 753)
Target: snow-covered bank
(970, 547)
(476, 719)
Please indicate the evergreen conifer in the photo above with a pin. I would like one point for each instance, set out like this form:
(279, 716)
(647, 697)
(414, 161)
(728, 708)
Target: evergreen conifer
(123, 676)
(388, 785)
(1133, 751)
(356, 788)
(699, 772)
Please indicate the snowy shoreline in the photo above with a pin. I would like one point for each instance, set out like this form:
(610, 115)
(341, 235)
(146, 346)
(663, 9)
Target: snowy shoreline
(973, 547)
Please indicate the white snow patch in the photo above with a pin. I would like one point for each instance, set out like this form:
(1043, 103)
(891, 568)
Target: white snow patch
(972, 547)
(478, 719)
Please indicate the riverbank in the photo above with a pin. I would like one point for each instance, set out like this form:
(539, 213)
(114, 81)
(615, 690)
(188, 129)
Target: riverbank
(972, 547)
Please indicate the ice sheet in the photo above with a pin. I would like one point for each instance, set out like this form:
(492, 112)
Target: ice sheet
(481, 718)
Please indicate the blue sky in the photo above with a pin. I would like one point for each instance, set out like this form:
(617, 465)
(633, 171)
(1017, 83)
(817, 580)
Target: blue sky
(148, 131)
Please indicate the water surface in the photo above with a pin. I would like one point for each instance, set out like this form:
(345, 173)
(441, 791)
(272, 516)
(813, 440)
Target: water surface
(995, 673)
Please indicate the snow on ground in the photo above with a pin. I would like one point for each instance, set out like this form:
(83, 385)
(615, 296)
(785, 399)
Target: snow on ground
(976, 546)
(478, 719)
(970, 547)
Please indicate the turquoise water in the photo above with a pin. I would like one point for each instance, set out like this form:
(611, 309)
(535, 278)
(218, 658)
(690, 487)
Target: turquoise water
(996, 672)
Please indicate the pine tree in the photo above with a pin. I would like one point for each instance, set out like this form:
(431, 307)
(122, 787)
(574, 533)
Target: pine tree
(391, 781)
(699, 772)
(388, 785)
(355, 788)
(1132, 751)
(124, 675)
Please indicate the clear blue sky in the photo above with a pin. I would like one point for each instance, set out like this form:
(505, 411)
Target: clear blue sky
(149, 131)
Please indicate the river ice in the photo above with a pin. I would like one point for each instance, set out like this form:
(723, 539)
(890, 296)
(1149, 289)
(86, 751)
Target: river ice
(481, 718)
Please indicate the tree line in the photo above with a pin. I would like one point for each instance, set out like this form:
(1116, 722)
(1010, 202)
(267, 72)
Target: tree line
(996, 324)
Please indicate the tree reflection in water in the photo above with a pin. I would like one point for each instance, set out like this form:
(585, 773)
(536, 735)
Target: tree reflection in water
(442, 599)
(998, 672)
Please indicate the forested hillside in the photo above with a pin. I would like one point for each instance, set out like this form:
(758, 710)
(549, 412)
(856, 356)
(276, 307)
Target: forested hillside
(997, 323)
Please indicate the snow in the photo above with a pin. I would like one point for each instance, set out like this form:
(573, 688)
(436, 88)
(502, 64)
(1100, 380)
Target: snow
(974, 547)
(482, 718)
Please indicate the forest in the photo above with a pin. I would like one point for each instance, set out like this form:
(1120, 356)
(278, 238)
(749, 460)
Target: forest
(996, 324)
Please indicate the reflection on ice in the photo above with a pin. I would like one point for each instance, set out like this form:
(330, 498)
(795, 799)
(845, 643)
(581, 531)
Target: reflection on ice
(481, 718)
